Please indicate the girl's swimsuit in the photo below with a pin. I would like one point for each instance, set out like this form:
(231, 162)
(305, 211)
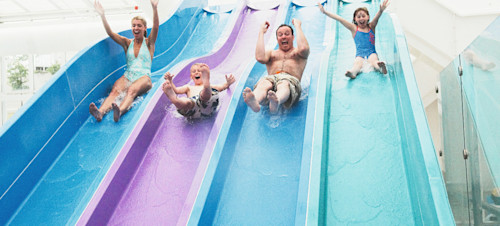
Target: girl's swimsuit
(365, 43)
(140, 65)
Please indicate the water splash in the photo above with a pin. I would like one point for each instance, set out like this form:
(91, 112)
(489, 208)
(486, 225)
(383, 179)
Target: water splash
(367, 67)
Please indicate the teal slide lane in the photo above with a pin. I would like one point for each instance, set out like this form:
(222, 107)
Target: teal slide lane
(61, 156)
(374, 152)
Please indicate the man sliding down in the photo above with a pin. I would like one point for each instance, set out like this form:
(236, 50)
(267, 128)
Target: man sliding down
(284, 66)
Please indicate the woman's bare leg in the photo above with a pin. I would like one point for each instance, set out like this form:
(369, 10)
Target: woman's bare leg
(140, 86)
(119, 86)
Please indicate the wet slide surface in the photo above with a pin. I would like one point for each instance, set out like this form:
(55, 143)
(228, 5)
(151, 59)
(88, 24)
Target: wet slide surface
(256, 179)
(64, 190)
(166, 162)
(365, 179)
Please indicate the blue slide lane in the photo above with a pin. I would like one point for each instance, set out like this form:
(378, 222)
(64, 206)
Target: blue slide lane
(61, 153)
(255, 174)
(373, 152)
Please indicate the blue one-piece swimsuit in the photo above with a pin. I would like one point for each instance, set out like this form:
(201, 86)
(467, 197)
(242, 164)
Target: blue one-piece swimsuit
(140, 65)
(365, 43)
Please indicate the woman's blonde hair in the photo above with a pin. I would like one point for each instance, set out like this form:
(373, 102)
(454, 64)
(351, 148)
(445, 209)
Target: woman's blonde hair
(356, 12)
(143, 23)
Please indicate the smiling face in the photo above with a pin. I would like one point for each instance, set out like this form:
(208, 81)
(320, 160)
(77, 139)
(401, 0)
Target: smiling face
(285, 37)
(361, 17)
(196, 74)
(139, 27)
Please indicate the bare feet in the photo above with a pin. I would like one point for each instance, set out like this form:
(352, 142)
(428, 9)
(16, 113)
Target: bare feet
(273, 101)
(95, 112)
(116, 112)
(250, 100)
(167, 89)
(205, 75)
(350, 75)
(382, 66)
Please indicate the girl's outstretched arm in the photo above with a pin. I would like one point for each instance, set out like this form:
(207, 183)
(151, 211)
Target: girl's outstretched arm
(350, 26)
(374, 21)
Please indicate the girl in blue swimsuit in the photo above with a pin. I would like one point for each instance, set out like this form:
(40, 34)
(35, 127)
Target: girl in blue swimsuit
(139, 52)
(363, 32)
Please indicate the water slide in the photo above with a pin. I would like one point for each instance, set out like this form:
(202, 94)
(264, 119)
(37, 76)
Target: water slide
(350, 152)
(54, 154)
(378, 163)
(254, 175)
(312, 164)
(162, 164)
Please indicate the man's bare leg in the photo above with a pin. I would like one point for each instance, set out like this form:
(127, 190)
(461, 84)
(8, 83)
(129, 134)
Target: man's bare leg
(280, 96)
(274, 103)
(253, 99)
(249, 98)
(95, 112)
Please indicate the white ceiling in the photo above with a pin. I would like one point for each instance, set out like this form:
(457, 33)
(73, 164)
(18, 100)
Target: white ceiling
(30, 10)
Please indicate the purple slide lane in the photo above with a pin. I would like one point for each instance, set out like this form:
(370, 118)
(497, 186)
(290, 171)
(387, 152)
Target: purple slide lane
(161, 167)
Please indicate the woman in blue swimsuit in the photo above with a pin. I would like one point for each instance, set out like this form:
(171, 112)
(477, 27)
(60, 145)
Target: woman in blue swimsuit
(139, 52)
(363, 32)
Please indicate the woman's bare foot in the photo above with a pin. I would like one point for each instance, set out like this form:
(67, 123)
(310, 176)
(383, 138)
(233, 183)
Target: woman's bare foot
(250, 100)
(95, 112)
(350, 75)
(382, 66)
(273, 101)
(116, 112)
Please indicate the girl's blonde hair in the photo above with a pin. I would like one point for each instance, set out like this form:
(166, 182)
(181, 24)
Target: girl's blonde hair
(143, 23)
(356, 12)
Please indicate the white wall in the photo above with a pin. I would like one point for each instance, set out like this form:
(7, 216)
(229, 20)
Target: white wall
(71, 34)
(436, 32)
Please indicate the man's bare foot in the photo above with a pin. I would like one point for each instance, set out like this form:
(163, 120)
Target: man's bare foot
(250, 100)
(382, 66)
(350, 75)
(273, 101)
(95, 112)
(116, 112)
